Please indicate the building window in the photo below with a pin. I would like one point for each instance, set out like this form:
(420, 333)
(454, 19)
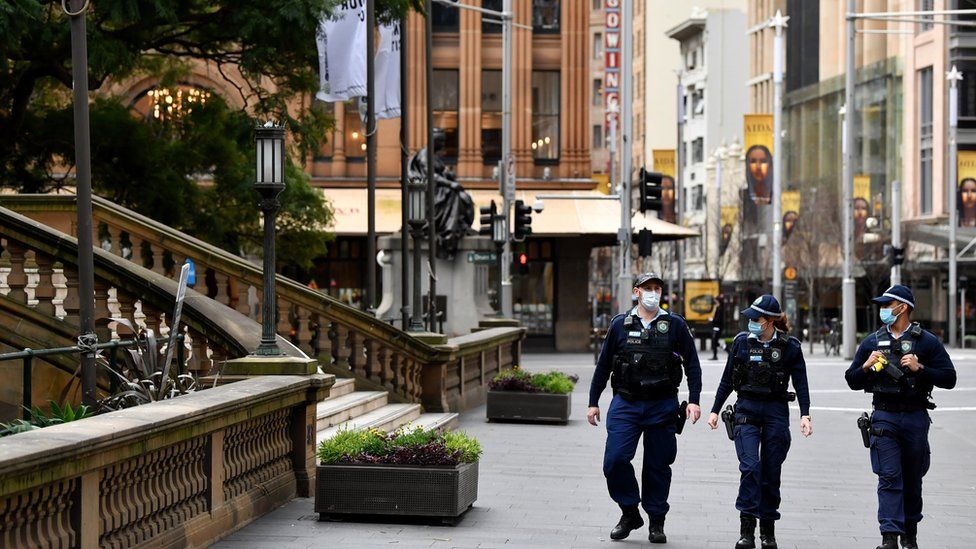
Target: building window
(696, 197)
(355, 137)
(597, 136)
(698, 150)
(444, 18)
(967, 95)
(545, 16)
(925, 108)
(598, 46)
(491, 116)
(697, 103)
(545, 115)
(597, 5)
(969, 18)
(488, 23)
(445, 88)
(925, 5)
(597, 92)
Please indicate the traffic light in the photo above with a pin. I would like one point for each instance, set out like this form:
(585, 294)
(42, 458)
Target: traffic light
(521, 263)
(523, 221)
(645, 239)
(650, 190)
(488, 214)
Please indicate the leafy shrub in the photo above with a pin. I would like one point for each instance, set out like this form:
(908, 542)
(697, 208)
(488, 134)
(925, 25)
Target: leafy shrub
(519, 380)
(401, 447)
(38, 419)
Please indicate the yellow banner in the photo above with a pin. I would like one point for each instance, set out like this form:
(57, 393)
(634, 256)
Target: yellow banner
(700, 299)
(730, 215)
(862, 187)
(758, 138)
(966, 199)
(663, 162)
(790, 201)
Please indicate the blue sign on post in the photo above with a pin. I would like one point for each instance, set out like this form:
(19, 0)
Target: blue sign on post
(191, 279)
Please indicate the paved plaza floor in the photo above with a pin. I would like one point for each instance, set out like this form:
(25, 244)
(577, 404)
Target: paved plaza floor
(542, 486)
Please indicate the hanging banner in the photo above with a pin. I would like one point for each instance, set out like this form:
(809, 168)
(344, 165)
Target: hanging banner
(790, 201)
(862, 204)
(700, 299)
(966, 197)
(663, 161)
(611, 62)
(341, 42)
(758, 138)
(388, 72)
(730, 217)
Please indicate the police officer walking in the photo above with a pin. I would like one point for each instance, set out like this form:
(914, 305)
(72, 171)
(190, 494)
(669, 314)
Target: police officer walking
(645, 350)
(760, 366)
(900, 364)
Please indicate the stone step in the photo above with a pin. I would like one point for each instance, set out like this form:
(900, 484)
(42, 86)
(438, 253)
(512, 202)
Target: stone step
(343, 386)
(334, 411)
(387, 418)
(442, 422)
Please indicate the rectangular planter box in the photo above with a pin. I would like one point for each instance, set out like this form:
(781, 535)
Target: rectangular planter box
(445, 492)
(542, 407)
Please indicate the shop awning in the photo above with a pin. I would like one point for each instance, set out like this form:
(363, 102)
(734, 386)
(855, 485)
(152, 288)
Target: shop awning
(558, 218)
(938, 235)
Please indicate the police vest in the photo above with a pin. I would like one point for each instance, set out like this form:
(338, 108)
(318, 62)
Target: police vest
(646, 367)
(764, 375)
(884, 382)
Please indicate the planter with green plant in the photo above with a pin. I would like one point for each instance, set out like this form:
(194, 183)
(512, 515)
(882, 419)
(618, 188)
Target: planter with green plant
(517, 395)
(409, 472)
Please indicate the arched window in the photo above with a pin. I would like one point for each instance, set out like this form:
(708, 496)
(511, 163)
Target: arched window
(169, 103)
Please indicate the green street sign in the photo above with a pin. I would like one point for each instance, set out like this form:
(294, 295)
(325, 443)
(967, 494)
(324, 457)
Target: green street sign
(482, 257)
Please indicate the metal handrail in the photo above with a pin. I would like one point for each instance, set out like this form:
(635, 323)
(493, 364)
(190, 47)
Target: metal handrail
(28, 354)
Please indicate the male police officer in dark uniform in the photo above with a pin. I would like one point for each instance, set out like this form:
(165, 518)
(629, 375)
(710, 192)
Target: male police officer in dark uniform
(900, 364)
(645, 350)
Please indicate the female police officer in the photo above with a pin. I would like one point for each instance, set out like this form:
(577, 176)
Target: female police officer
(760, 366)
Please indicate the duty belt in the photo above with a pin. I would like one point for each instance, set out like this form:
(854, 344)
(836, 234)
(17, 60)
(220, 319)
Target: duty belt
(903, 406)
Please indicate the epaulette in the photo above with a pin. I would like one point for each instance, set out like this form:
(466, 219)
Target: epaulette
(915, 329)
(795, 341)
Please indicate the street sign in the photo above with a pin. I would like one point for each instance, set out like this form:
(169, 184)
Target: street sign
(482, 258)
(510, 177)
(789, 290)
(789, 273)
(174, 328)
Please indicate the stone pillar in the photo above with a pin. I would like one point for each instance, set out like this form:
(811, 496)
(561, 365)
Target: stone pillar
(469, 100)
(417, 82)
(573, 108)
(522, 89)
(572, 318)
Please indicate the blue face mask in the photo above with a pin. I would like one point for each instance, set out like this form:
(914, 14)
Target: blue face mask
(755, 328)
(887, 316)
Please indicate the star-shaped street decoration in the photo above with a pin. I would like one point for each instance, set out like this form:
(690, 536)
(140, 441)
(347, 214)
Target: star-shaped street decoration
(953, 76)
(778, 21)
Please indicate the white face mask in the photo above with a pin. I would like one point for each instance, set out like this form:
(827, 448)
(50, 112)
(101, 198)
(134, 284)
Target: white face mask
(649, 299)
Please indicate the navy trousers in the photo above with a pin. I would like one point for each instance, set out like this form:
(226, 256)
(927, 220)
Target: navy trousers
(626, 422)
(900, 458)
(761, 450)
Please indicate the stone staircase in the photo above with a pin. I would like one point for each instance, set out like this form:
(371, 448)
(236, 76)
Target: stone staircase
(347, 408)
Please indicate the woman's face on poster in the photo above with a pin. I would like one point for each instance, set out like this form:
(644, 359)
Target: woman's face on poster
(967, 193)
(860, 209)
(758, 162)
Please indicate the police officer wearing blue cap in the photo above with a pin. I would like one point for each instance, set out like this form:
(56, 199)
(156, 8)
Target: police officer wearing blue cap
(645, 350)
(760, 366)
(900, 364)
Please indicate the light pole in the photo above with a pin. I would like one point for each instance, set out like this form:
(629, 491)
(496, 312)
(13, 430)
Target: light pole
(416, 217)
(895, 230)
(369, 304)
(404, 177)
(269, 182)
(848, 306)
(953, 76)
(625, 281)
(778, 23)
(87, 338)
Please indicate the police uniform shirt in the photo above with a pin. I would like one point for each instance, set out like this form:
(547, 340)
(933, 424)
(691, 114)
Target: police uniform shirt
(937, 369)
(792, 357)
(681, 342)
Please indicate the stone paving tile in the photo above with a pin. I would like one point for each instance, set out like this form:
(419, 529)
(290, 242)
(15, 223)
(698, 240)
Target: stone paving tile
(542, 486)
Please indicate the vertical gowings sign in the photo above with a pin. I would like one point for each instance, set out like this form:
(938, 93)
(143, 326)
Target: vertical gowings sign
(611, 61)
(174, 323)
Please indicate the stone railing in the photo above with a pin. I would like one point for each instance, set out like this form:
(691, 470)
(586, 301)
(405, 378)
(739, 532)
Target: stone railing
(43, 275)
(346, 341)
(176, 473)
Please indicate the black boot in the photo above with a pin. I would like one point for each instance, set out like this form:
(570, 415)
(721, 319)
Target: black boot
(909, 540)
(747, 533)
(767, 533)
(656, 534)
(889, 540)
(630, 520)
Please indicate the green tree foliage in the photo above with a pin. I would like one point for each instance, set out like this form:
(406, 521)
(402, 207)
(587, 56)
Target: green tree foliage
(264, 50)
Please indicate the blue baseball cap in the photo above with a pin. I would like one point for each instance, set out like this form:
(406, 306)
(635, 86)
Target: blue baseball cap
(644, 277)
(765, 305)
(896, 293)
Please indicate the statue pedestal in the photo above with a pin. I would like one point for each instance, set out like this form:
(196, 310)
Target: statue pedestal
(464, 282)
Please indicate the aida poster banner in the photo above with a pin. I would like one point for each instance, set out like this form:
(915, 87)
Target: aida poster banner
(663, 162)
(966, 197)
(862, 204)
(758, 138)
(730, 217)
(790, 201)
(700, 299)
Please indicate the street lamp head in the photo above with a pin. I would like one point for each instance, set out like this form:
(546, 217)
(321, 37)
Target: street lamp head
(269, 139)
(416, 202)
(953, 76)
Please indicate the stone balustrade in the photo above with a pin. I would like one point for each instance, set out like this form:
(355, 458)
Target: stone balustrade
(176, 473)
(450, 375)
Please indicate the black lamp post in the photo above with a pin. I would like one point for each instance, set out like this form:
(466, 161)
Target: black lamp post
(499, 235)
(269, 182)
(417, 218)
